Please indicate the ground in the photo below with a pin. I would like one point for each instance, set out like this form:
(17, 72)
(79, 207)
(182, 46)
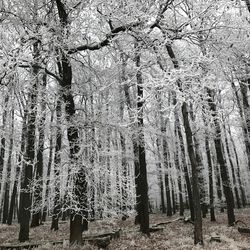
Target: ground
(176, 235)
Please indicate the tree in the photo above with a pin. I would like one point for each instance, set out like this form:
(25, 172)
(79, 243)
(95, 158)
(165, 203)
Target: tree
(27, 172)
(220, 158)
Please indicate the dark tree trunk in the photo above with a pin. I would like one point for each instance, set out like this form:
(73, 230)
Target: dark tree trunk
(160, 176)
(183, 153)
(57, 166)
(218, 181)
(123, 141)
(185, 167)
(202, 184)
(178, 168)
(168, 195)
(45, 209)
(27, 171)
(220, 158)
(236, 191)
(78, 222)
(173, 196)
(13, 200)
(124, 174)
(37, 216)
(242, 191)
(211, 179)
(107, 182)
(243, 121)
(166, 161)
(135, 146)
(248, 5)
(143, 183)
(3, 142)
(200, 177)
(92, 212)
(9, 163)
(246, 109)
(162, 154)
(198, 238)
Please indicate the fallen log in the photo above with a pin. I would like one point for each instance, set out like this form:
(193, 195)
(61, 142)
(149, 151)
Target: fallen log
(215, 238)
(101, 240)
(112, 235)
(155, 229)
(28, 245)
(244, 230)
(168, 222)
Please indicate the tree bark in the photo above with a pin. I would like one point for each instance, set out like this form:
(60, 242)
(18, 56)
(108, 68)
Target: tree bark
(220, 158)
(184, 164)
(13, 200)
(143, 183)
(9, 164)
(243, 123)
(198, 157)
(160, 175)
(236, 191)
(25, 194)
(198, 238)
(178, 168)
(57, 166)
(37, 216)
(78, 222)
(45, 208)
(210, 178)
(2, 143)
(238, 173)
(135, 141)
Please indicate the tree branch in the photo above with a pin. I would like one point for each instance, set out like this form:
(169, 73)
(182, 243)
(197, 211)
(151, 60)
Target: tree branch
(26, 66)
(106, 41)
(162, 10)
(62, 12)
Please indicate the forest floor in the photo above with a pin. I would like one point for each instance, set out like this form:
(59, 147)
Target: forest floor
(175, 235)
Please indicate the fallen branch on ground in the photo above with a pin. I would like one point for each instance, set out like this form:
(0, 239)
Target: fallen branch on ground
(101, 240)
(168, 222)
(244, 230)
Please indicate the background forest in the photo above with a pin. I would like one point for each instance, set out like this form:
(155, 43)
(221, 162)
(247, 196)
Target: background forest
(114, 109)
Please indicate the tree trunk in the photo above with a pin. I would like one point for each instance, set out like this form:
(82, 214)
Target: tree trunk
(173, 196)
(202, 184)
(143, 183)
(243, 123)
(27, 172)
(140, 174)
(124, 174)
(198, 238)
(232, 169)
(242, 191)
(9, 164)
(78, 222)
(160, 175)
(220, 158)
(37, 216)
(57, 166)
(45, 208)
(3, 142)
(211, 179)
(185, 166)
(13, 200)
(181, 140)
(178, 168)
